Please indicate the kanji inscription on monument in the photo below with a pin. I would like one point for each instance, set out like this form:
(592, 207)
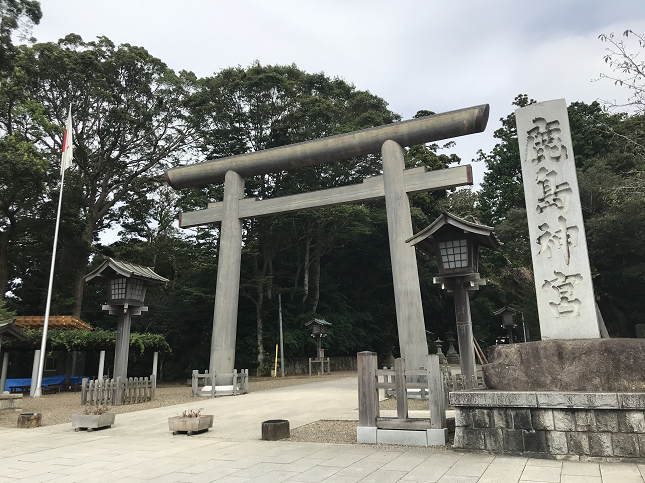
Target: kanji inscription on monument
(563, 284)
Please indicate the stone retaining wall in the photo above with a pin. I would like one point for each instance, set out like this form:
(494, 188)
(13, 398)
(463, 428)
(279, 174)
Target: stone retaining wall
(551, 424)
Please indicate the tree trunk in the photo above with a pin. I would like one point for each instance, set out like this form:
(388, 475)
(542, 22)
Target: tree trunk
(305, 266)
(81, 266)
(4, 266)
(316, 282)
(259, 323)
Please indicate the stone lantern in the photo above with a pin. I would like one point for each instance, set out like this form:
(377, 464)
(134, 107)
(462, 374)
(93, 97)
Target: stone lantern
(508, 321)
(126, 291)
(455, 244)
(318, 331)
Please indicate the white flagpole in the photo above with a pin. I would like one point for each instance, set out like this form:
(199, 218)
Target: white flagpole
(41, 363)
(43, 343)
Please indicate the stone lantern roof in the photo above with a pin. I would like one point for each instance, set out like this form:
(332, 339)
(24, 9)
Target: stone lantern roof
(111, 267)
(481, 234)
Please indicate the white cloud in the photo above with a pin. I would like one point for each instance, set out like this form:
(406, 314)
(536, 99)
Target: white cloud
(415, 54)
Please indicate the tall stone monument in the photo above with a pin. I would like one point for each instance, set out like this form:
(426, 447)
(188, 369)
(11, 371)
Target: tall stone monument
(565, 295)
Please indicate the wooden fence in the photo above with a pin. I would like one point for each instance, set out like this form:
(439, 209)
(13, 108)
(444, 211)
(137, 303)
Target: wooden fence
(115, 392)
(239, 383)
(400, 380)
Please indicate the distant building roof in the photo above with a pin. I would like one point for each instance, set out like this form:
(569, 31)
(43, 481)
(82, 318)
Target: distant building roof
(56, 322)
(318, 321)
(110, 266)
(8, 330)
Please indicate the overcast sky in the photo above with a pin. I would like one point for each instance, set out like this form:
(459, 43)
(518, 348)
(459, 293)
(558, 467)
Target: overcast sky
(416, 55)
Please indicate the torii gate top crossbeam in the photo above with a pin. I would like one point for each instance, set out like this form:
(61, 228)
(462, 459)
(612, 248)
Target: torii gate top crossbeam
(336, 148)
(416, 180)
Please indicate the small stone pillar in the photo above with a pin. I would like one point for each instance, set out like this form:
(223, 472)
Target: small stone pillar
(5, 367)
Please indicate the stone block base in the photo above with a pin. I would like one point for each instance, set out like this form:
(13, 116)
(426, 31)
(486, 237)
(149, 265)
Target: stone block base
(563, 425)
(10, 402)
(428, 437)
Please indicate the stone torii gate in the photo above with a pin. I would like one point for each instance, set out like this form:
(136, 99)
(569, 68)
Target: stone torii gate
(394, 185)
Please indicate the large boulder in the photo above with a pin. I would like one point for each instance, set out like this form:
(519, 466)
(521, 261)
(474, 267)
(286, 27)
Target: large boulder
(590, 365)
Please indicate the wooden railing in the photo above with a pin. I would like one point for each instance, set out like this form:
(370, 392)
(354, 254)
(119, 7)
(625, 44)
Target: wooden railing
(400, 380)
(451, 382)
(239, 383)
(115, 392)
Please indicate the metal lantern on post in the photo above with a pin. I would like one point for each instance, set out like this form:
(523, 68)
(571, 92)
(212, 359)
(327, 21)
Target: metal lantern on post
(508, 321)
(126, 291)
(318, 331)
(455, 244)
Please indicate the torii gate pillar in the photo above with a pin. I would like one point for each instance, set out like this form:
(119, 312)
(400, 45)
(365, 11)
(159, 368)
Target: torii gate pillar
(228, 279)
(407, 291)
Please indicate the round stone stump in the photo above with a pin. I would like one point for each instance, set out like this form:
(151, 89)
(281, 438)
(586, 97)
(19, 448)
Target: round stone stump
(29, 420)
(275, 429)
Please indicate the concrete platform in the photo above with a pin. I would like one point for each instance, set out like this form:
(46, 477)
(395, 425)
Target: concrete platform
(140, 448)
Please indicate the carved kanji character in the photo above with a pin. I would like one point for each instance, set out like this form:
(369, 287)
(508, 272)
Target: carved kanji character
(564, 238)
(552, 194)
(566, 304)
(544, 142)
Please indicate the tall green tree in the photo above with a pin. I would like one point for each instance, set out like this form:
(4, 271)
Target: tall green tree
(22, 182)
(129, 124)
(17, 17)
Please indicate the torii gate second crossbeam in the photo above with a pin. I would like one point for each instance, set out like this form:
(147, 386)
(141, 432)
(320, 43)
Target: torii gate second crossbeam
(394, 185)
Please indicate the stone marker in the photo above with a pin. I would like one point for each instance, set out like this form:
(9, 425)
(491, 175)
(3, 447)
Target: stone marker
(565, 295)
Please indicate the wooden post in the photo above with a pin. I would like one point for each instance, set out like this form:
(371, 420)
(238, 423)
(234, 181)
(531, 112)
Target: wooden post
(84, 390)
(101, 365)
(368, 409)
(194, 383)
(5, 366)
(436, 395)
(118, 399)
(281, 337)
(401, 390)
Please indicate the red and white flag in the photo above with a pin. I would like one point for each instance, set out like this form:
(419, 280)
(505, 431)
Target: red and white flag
(68, 144)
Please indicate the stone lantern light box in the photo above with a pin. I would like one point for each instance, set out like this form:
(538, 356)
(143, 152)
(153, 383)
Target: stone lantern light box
(455, 242)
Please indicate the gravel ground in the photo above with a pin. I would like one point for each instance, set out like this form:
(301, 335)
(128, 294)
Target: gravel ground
(58, 408)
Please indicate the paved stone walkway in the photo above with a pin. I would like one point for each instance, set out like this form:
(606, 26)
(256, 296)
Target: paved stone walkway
(140, 448)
